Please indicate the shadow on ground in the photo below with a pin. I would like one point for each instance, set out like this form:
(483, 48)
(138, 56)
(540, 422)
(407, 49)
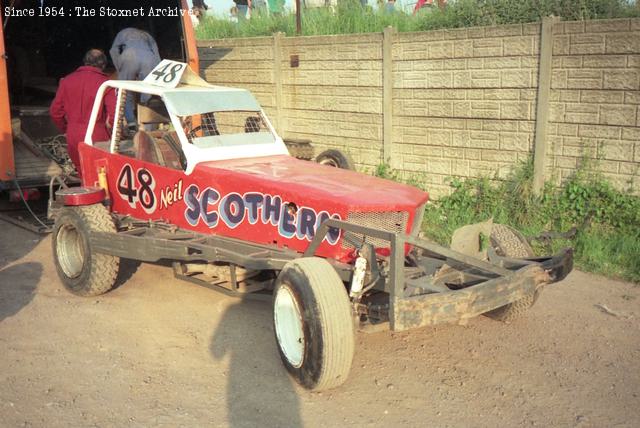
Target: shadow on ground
(259, 391)
(18, 281)
(16, 243)
(126, 270)
(17, 294)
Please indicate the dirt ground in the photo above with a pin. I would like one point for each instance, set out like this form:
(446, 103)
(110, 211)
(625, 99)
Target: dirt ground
(161, 352)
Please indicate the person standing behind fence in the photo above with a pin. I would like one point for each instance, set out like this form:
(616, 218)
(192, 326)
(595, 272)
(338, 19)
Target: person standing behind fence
(199, 11)
(276, 7)
(390, 7)
(258, 7)
(243, 7)
(134, 53)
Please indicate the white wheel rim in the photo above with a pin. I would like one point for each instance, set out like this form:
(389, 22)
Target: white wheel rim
(289, 329)
(70, 251)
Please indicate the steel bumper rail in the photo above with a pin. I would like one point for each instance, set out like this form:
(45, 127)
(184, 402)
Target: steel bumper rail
(454, 306)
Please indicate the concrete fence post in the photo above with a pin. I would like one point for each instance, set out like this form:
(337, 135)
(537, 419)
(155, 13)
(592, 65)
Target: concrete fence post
(387, 92)
(277, 81)
(542, 103)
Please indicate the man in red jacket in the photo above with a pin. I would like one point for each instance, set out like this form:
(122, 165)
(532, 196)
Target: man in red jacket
(71, 108)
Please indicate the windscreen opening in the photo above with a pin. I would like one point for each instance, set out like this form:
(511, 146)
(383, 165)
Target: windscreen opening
(226, 128)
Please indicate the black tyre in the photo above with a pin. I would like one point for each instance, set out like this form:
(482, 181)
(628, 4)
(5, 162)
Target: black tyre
(508, 242)
(81, 270)
(313, 324)
(336, 159)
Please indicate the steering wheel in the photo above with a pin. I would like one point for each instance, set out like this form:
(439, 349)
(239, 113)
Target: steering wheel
(171, 138)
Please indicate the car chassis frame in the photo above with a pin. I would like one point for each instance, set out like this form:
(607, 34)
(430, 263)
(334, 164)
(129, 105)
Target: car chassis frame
(483, 285)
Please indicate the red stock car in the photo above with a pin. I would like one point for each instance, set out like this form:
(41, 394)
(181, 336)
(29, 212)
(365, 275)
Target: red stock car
(208, 184)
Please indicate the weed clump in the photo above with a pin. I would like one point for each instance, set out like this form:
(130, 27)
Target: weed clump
(603, 222)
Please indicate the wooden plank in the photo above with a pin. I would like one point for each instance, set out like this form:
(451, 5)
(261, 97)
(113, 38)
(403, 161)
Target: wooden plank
(29, 165)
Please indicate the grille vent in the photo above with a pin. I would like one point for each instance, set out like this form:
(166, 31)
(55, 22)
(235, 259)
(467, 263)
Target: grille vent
(390, 221)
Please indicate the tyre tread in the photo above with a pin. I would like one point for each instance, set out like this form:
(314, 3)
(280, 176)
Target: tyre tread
(104, 268)
(511, 244)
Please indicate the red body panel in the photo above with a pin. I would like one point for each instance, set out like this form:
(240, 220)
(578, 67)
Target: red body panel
(247, 198)
(330, 186)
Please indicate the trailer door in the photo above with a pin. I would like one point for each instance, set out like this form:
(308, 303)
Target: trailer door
(7, 169)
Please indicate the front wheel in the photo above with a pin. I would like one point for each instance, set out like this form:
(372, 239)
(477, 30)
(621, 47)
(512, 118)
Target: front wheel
(81, 270)
(508, 242)
(313, 323)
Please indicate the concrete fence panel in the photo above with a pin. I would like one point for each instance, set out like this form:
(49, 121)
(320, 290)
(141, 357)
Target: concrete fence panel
(466, 102)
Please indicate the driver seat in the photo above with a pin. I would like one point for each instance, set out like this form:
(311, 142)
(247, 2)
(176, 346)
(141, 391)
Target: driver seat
(144, 147)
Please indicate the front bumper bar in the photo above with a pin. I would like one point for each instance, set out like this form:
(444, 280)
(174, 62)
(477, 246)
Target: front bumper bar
(458, 305)
(509, 280)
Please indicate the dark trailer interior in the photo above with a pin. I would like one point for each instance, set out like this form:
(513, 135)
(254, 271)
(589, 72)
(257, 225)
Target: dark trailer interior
(42, 49)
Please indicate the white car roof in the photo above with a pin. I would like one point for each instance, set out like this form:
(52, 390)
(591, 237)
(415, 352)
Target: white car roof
(192, 95)
(188, 99)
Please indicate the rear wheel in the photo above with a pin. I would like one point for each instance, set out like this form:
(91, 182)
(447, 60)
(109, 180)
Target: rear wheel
(508, 242)
(81, 270)
(336, 159)
(313, 324)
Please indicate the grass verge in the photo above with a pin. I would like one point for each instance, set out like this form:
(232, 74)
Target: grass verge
(350, 17)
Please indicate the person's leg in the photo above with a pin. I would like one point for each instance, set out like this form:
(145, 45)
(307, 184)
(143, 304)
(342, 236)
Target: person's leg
(242, 12)
(148, 62)
(129, 70)
(73, 136)
(129, 114)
